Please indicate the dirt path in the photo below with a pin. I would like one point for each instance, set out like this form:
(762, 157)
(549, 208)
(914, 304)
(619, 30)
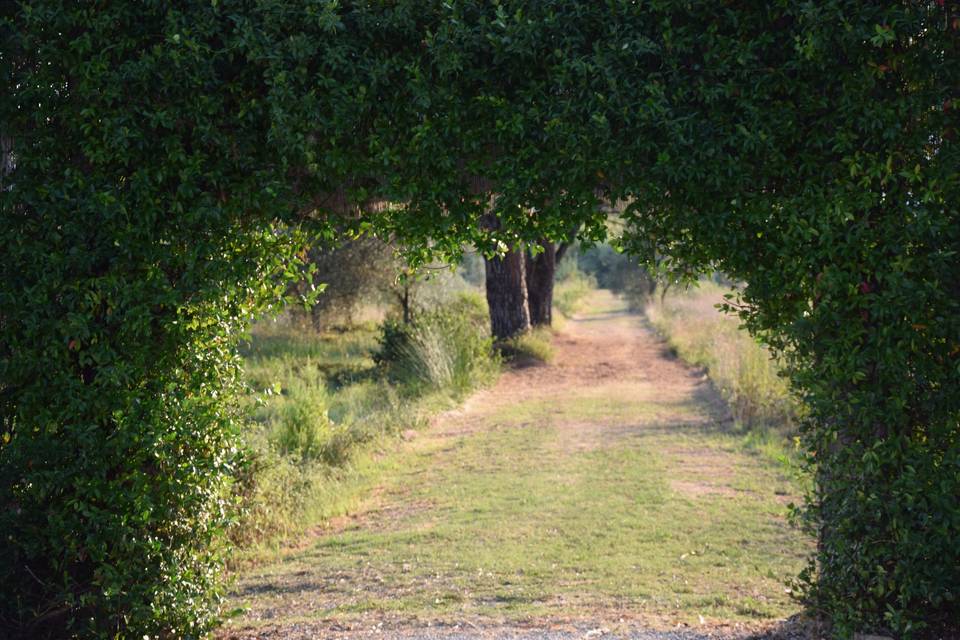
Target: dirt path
(601, 495)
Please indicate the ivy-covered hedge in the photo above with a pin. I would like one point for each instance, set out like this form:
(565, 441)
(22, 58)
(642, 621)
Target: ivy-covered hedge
(157, 157)
(130, 263)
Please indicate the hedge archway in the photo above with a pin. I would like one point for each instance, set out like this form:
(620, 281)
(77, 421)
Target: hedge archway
(161, 165)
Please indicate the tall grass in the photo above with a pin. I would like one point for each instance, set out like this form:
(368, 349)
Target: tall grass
(323, 405)
(438, 354)
(571, 288)
(444, 348)
(743, 370)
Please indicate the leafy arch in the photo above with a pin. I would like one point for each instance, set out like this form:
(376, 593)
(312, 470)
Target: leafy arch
(159, 161)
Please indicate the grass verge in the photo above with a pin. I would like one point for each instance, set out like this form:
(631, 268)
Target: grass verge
(743, 370)
(535, 345)
(326, 408)
(616, 498)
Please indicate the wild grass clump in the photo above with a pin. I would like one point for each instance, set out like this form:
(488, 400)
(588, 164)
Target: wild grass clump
(536, 344)
(322, 404)
(447, 347)
(270, 489)
(744, 371)
(571, 288)
(316, 406)
(297, 423)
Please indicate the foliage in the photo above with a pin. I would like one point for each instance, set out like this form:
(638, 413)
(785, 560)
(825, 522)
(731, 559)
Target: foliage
(307, 431)
(849, 260)
(271, 491)
(365, 273)
(613, 269)
(437, 284)
(443, 347)
(472, 269)
(808, 149)
(350, 273)
(568, 266)
(130, 265)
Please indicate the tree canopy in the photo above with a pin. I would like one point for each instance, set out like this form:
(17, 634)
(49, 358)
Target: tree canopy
(161, 164)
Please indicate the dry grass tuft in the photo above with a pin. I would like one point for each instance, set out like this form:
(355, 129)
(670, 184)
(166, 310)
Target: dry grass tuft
(744, 371)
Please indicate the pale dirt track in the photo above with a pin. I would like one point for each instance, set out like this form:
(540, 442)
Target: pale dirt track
(610, 351)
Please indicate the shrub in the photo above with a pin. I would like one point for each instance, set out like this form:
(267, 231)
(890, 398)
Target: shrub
(306, 431)
(447, 347)
(294, 411)
(131, 261)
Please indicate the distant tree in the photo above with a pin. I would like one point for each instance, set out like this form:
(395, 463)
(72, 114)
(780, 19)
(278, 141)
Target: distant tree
(351, 273)
(620, 273)
(369, 271)
(471, 268)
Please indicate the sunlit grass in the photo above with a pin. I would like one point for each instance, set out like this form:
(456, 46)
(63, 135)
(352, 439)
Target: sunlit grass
(511, 523)
(322, 419)
(570, 293)
(532, 345)
(601, 501)
(744, 371)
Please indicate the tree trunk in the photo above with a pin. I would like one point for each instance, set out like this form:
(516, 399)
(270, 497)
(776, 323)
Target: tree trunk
(507, 295)
(506, 290)
(541, 270)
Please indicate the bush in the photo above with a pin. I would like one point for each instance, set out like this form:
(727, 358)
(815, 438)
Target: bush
(131, 261)
(639, 293)
(447, 347)
(307, 432)
(298, 423)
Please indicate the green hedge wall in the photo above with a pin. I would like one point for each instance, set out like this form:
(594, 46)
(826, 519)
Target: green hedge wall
(165, 156)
